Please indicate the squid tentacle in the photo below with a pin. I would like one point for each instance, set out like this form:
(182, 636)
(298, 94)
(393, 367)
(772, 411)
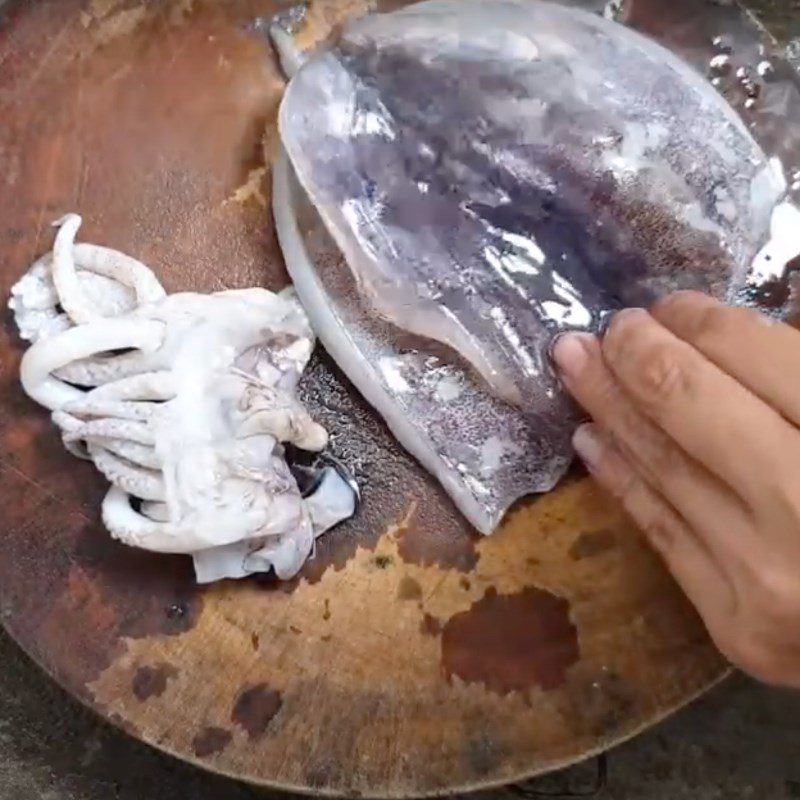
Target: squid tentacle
(140, 455)
(65, 276)
(48, 355)
(135, 529)
(120, 268)
(67, 257)
(89, 406)
(110, 428)
(155, 386)
(104, 367)
(136, 481)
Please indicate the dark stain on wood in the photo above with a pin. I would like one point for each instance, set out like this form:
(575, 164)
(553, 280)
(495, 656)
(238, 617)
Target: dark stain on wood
(124, 725)
(592, 543)
(614, 701)
(113, 592)
(152, 681)
(430, 626)
(427, 545)
(255, 708)
(211, 741)
(483, 753)
(139, 581)
(255, 642)
(600, 704)
(511, 643)
(409, 589)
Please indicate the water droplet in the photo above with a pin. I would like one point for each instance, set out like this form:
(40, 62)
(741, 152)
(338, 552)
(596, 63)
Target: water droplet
(613, 10)
(176, 611)
(766, 69)
(289, 20)
(745, 79)
(720, 65)
(793, 52)
(750, 103)
(717, 82)
(722, 44)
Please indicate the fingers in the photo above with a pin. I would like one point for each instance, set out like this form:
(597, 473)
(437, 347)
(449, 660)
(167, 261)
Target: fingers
(688, 560)
(697, 411)
(758, 352)
(703, 501)
(708, 414)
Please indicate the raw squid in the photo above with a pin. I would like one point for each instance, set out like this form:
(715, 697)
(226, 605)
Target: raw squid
(493, 174)
(183, 403)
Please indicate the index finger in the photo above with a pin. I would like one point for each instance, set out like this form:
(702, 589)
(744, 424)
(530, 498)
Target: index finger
(708, 413)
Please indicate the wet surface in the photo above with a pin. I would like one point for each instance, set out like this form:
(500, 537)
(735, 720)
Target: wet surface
(114, 591)
(424, 542)
(409, 589)
(152, 681)
(255, 708)
(210, 741)
(740, 742)
(511, 643)
(430, 626)
(592, 543)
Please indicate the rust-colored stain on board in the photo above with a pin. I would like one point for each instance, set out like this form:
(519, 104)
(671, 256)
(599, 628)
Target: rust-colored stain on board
(409, 589)
(430, 626)
(152, 681)
(511, 643)
(211, 741)
(423, 542)
(592, 543)
(255, 708)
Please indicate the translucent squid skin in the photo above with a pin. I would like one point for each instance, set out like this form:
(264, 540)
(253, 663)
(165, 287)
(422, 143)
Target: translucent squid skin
(497, 173)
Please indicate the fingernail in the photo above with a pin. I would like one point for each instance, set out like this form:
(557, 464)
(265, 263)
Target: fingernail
(588, 445)
(570, 354)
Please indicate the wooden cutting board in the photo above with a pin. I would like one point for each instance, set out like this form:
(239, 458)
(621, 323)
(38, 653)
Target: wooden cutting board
(411, 657)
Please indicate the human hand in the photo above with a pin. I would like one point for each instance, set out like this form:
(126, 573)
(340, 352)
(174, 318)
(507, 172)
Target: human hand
(696, 429)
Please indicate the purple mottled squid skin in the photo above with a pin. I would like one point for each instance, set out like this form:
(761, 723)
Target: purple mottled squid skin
(497, 173)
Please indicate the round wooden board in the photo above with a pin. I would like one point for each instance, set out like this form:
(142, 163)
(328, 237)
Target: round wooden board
(411, 657)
